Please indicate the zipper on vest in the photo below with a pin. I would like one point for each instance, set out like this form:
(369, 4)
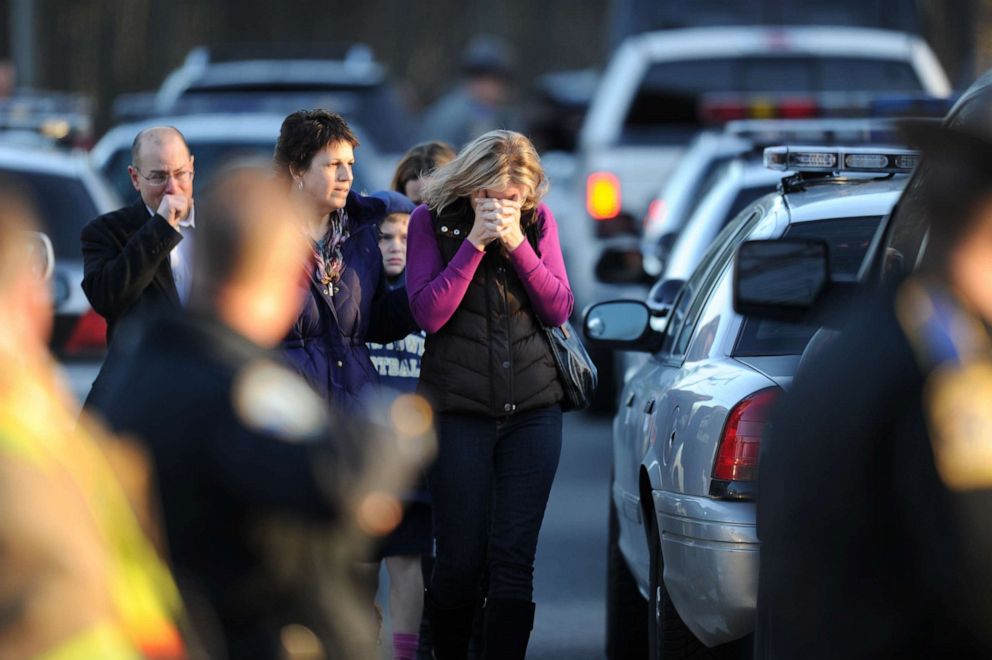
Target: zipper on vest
(510, 406)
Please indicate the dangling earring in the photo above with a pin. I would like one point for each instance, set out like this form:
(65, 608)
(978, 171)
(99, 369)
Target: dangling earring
(299, 185)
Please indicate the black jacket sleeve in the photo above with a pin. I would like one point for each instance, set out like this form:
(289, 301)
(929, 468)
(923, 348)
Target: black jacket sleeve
(114, 276)
(392, 319)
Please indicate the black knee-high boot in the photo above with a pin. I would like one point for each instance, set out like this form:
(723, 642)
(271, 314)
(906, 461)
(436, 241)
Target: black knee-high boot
(507, 628)
(451, 628)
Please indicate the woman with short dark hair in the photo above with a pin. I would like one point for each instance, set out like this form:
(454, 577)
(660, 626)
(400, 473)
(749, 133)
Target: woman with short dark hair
(347, 301)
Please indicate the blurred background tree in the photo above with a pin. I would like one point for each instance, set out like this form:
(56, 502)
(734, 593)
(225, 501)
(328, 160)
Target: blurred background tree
(107, 47)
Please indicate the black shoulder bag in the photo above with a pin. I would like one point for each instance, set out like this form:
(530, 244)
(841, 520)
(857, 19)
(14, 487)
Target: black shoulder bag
(576, 370)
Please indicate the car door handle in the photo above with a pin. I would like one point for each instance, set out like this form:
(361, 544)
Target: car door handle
(649, 407)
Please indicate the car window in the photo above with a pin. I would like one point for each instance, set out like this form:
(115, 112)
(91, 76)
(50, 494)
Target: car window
(686, 310)
(848, 240)
(209, 156)
(63, 204)
(666, 105)
(707, 331)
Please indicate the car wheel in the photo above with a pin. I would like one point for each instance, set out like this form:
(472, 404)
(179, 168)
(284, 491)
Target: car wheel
(626, 627)
(668, 636)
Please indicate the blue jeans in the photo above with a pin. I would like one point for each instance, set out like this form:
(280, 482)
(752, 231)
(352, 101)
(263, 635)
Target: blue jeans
(490, 487)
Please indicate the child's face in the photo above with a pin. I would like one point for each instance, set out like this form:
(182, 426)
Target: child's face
(392, 243)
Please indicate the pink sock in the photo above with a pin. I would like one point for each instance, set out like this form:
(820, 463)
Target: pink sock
(405, 646)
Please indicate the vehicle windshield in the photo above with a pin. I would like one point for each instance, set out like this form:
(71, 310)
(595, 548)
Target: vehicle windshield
(666, 107)
(209, 156)
(63, 205)
(848, 240)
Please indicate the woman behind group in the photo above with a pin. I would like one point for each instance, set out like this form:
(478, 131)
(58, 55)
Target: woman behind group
(485, 273)
(348, 301)
(415, 168)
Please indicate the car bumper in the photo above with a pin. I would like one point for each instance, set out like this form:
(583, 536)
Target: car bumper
(710, 552)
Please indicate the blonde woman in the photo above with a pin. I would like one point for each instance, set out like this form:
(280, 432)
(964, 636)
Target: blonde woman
(485, 273)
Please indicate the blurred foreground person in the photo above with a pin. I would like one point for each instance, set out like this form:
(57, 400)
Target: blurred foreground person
(876, 477)
(264, 497)
(416, 166)
(138, 259)
(485, 273)
(78, 577)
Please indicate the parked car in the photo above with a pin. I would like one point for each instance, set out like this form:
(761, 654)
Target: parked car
(661, 88)
(214, 139)
(706, 158)
(282, 78)
(682, 533)
(903, 240)
(66, 193)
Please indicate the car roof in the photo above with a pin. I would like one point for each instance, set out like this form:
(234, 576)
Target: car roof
(837, 197)
(206, 128)
(689, 43)
(42, 159)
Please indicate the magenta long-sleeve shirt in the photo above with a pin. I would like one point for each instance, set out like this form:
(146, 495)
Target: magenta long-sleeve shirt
(436, 290)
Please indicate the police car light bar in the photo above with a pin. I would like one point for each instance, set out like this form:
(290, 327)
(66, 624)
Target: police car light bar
(862, 159)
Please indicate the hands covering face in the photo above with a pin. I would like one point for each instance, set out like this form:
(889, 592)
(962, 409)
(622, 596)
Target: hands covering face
(496, 220)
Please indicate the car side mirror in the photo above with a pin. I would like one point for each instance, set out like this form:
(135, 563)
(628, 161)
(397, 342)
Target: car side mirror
(622, 264)
(662, 296)
(780, 279)
(623, 324)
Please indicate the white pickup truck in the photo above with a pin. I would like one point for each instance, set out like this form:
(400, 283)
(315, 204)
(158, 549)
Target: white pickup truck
(661, 87)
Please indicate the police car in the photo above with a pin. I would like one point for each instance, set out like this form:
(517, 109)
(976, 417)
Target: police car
(682, 541)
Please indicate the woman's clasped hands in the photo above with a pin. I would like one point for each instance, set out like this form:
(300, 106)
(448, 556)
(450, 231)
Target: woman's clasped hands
(496, 219)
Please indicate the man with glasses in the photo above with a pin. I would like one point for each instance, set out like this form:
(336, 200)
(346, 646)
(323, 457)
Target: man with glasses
(137, 259)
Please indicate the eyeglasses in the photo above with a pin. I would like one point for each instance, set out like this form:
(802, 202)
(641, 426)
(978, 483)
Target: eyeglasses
(159, 178)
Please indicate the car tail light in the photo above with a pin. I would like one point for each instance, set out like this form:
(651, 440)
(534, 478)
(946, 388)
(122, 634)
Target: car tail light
(797, 108)
(603, 195)
(657, 211)
(737, 456)
(88, 336)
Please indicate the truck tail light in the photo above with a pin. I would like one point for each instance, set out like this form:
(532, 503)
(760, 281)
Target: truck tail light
(603, 195)
(88, 337)
(737, 456)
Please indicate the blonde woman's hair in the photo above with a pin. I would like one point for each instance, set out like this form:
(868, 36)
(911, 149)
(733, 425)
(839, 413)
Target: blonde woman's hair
(496, 159)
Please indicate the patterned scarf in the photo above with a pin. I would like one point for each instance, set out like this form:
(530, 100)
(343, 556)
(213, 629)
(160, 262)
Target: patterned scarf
(327, 251)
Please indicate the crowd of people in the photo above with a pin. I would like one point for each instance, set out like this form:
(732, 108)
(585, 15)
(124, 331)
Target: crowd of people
(305, 382)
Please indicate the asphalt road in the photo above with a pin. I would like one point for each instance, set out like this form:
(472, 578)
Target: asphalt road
(570, 575)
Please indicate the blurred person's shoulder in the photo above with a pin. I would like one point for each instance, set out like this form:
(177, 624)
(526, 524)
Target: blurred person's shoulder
(868, 352)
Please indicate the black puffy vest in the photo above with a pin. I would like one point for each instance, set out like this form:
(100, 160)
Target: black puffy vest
(492, 356)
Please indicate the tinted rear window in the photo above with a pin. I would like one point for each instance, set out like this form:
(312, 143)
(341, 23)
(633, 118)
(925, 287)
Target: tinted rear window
(848, 240)
(64, 205)
(666, 105)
